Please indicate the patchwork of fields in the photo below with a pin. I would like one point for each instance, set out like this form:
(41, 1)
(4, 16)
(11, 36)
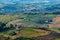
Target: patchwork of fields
(30, 27)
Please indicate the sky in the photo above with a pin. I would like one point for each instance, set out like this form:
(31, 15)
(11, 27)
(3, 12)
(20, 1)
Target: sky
(29, 1)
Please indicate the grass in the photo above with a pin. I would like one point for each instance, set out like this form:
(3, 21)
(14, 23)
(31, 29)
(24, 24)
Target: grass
(7, 18)
(30, 32)
(57, 38)
(55, 29)
(33, 19)
(29, 20)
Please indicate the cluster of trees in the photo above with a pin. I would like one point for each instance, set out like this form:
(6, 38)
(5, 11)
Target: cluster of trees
(2, 26)
(6, 27)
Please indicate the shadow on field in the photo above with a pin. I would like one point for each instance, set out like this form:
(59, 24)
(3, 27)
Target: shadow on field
(50, 36)
(24, 38)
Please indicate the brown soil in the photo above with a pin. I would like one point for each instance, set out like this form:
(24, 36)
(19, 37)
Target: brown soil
(56, 22)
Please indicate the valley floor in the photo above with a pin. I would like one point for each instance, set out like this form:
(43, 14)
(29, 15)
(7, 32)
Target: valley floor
(30, 27)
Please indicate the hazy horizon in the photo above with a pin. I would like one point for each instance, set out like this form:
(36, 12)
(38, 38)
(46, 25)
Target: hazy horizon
(29, 1)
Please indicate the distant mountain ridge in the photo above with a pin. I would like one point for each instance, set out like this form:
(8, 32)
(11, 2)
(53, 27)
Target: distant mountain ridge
(29, 8)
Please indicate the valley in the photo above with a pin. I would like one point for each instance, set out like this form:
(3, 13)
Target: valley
(30, 27)
(29, 19)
